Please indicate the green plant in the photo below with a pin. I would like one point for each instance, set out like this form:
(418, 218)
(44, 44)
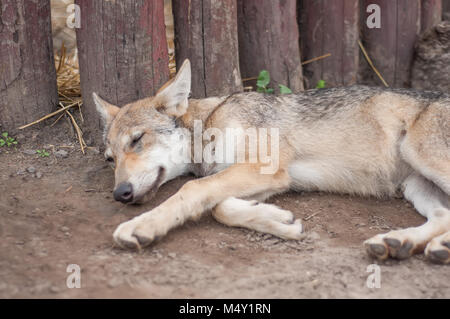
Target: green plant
(42, 153)
(284, 89)
(7, 140)
(321, 84)
(263, 81)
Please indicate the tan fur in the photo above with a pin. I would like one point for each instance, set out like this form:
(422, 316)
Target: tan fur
(357, 140)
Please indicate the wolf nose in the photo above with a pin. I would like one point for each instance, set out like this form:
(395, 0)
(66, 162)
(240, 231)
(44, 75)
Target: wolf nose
(124, 193)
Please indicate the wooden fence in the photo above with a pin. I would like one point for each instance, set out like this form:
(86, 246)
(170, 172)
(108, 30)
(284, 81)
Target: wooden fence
(123, 50)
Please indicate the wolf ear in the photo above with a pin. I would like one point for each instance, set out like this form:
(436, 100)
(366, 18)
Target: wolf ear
(107, 111)
(173, 96)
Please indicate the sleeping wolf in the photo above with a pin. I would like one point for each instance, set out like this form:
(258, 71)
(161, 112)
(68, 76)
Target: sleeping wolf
(357, 140)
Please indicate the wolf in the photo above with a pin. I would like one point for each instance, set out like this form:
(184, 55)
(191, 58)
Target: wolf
(355, 140)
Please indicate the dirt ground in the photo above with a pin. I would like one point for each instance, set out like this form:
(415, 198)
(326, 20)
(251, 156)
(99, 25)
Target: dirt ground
(58, 210)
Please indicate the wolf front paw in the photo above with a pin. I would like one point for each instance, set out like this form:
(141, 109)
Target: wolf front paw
(138, 232)
(438, 249)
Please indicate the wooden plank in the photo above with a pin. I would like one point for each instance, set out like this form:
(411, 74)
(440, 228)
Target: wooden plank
(330, 27)
(431, 14)
(446, 10)
(27, 70)
(122, 53)
(206, 33)
(408, 30)
(391, 47)
(265, 43)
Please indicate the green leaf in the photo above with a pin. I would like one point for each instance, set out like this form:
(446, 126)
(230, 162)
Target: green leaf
(260, 90)
(263, 79)
(2, 142)
(284, 89)
(270, 91)
(5, 134)
(320, 84)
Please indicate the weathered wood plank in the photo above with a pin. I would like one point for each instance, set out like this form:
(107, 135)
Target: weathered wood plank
(27, 70)
(269, 39)
(446, 10)
(330, 27)
(122, 52)
(391, 47)
(431, 14)
(206, 33)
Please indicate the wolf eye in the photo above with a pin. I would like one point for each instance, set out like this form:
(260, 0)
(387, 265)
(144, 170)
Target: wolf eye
(136, 139)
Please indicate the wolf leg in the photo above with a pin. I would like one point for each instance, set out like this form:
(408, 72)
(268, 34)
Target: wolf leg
(196, 197)
(425, 146)
(265, 218)
(431, 202)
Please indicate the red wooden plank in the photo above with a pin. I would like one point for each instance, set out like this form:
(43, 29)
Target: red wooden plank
(27, 70)
(408, 30)
(269, 39)
(391, 47)
(206, 33)
(431, 14)
(122, 52)
(446, 10)
(330, 27)
(188, 16)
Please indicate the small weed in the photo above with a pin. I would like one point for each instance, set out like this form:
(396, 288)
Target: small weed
(6, 140)
(321, 84)
(263, 81)
(284, 89)
(42, 153)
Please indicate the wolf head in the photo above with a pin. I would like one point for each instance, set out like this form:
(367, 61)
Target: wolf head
(141, 136)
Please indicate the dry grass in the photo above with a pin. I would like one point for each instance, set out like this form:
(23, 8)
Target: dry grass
(69, 93)
(69, 89)
(369, 60)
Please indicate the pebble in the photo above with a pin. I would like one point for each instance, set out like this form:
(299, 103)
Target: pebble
(114, 282)
(314, 235)
(65, 229)
(54, 289)
(157, 253)
(38, 175)
(172, 255)
(31, 169)
(61, 154)
(29, 152)
(95, 150)
(20, 172)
